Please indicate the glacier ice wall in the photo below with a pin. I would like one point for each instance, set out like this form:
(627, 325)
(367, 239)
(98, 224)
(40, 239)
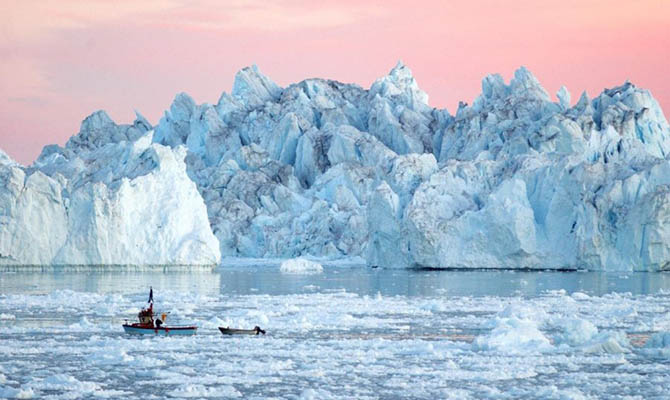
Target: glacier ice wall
(326, 169)
(110, 197)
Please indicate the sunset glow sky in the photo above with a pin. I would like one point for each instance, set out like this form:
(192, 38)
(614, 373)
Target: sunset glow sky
(62, 60)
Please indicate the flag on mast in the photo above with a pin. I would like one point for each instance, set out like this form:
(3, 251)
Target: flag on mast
(151, 295)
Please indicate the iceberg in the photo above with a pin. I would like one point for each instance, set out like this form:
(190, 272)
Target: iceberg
(331, 170)
(109, 197)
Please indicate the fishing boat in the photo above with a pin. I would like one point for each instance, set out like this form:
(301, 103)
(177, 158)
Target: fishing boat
(148, 325)
(231, 331)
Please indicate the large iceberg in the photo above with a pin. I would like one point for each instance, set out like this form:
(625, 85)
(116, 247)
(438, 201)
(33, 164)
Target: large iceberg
(330, 170)
(109, 197)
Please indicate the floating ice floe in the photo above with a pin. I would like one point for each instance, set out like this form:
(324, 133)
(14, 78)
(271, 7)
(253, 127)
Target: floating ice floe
(515, 330)
(300, 266)
(514, 335)
(201, 391)
(16, 393)
(584, 335)
(576, 332)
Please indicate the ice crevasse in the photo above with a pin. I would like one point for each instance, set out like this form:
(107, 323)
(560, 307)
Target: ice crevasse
(329, 170)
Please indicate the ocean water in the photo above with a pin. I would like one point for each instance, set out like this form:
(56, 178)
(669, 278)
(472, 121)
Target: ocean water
(348, 332)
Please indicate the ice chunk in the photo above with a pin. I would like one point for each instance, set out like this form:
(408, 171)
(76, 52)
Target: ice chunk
(610, 342)
(515, 330)
(316, 394)
(189, 390)
(300, 266)
(13, 393)
(513, 335)
(577, 332)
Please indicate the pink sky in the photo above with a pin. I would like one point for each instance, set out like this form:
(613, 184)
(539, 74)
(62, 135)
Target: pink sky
(62, 60)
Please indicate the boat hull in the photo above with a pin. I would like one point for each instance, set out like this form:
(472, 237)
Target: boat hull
(231, 331)
(162, 331)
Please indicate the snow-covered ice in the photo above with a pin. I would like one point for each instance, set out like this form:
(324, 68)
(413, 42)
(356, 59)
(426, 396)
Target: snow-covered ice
(328, 170)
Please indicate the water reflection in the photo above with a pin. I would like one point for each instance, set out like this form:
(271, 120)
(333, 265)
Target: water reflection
(364, 281)
(106, 282)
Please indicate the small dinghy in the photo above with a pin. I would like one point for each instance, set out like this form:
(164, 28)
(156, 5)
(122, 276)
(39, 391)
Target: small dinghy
(147, 325)
(231, 331)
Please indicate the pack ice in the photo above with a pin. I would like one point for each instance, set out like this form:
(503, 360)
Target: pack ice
(332, 170)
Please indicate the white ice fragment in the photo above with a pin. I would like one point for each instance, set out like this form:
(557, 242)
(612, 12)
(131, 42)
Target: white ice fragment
(300, 266)
(189, 390)
(576, 332)
(513, 336)
(67, 383)
(553, 392)
(580, 296)
(111, 356)
(13, 393)
(515, 331)
(609, 342)
(83, 325)
(316, 394)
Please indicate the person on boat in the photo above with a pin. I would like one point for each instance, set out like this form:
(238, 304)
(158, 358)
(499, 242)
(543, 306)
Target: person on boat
(146, 316)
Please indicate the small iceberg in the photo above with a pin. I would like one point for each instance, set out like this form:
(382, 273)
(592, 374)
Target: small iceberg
(515, 331)
(300, 266)
(582, 334)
